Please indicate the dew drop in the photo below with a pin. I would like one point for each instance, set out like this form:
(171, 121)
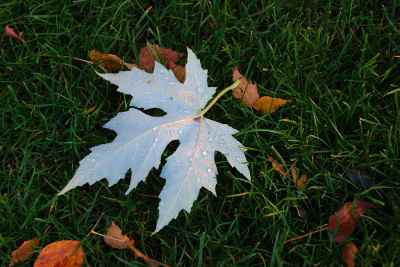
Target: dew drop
(209, 170)
(156, 139)
(204, 153)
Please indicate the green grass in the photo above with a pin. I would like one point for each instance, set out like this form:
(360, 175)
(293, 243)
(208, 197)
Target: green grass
(333, 59)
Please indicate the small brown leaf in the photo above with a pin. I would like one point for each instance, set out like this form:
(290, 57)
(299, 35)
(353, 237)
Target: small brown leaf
(115, 239)
(301, 182)
(151, 53)
(108, 62)
(345, 219)
(24, 251)
(277, 166)
(65, 253)
(146, 59)
(349, 252)
(267, 104)
(169, 56)
(10, 32)
(246, 91)
(180, 73)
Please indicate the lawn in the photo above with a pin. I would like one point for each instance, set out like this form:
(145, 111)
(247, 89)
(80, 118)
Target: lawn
(335, 61)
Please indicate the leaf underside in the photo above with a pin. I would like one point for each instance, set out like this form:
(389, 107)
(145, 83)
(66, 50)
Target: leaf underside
(141, 138)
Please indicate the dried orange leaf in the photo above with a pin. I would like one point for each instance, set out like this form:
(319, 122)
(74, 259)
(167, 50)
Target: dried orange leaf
(24, 251)
(115, 239)
(65, 253)
(246, 91)
(344, 221)
(349, 252)
(267, 104)
(180, 73)
(277, 166)
(109, 62)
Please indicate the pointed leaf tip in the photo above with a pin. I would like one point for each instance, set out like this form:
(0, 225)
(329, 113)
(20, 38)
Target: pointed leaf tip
(115, 239)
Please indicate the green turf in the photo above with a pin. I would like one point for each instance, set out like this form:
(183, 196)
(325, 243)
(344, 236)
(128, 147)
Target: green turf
(333, 59)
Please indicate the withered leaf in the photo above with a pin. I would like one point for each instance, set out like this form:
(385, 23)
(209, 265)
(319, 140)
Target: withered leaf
(65, 253)
(115, 239)
(108, 62)
(246, 91)
(301, 181)
(179, 72)
(277, 166)
(24, 251)
(349, 252)
(267, 104)
(343, 222)
(151, 53)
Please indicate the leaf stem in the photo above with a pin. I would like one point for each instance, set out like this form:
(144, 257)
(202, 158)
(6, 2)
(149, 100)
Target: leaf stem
(321, 229)
(215, 99)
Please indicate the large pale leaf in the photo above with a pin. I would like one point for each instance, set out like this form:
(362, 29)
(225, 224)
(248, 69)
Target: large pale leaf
(142, 139)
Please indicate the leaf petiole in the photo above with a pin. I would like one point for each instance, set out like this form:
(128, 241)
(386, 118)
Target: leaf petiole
(215, 99)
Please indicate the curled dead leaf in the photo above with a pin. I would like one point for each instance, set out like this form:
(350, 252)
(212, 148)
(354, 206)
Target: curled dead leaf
(343, 222)
(267, 104)
(246, 91)
(115, 239)
(277, 166)
(349, 252)
(65, 253)
(108, 62)
(24, 251)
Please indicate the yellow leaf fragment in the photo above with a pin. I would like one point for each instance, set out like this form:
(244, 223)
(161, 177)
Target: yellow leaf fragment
(267, 104)
(130, 66)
